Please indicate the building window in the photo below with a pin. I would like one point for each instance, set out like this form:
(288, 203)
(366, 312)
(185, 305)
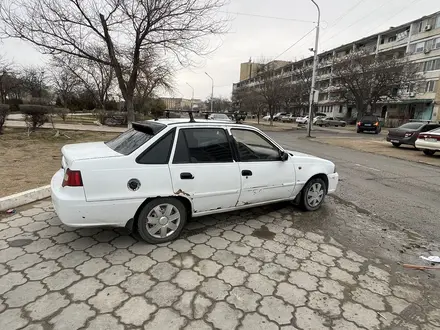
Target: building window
(432, 65)
(340, 109)
(437, 22)
(437, 42)
(420, 47)
(391, 39)
(430, 86)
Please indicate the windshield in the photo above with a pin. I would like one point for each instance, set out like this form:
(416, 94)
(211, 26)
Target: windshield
(412, 125)
(128, 141)
(437, 131)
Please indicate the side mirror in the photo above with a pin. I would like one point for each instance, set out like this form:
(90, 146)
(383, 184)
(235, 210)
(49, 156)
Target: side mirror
(284, 156)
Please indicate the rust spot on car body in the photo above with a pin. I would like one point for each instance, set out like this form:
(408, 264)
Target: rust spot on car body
(181, 192)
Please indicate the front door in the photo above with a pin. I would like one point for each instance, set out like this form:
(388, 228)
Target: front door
(264, 176)
(203, 169)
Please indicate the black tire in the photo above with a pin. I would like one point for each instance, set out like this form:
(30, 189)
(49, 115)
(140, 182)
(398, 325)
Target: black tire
(343, 125)
(397, 145)
(428, 152)
(327, 125)
(303, 201)
(359, 130)
(142, 220)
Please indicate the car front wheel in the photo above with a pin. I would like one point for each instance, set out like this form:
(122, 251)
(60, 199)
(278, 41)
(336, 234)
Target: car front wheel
(161, 220)
(429, 152)
(313, 194)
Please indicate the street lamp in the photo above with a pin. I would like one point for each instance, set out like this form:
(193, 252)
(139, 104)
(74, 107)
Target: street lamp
(212, 90)
(315, 63)
(192, 96)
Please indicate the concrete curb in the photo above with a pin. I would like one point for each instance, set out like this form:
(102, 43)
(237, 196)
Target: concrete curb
(24, 197)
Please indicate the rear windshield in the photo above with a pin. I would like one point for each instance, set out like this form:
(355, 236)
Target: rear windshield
(128, 141)
(437, 130)
(369, 118)
(412, 125)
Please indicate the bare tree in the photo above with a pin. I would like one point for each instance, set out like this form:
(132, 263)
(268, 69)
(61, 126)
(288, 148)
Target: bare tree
(271, 87)
(65, 83)
(95, 77)
(366, 80)
(250, 101)
(125, 28)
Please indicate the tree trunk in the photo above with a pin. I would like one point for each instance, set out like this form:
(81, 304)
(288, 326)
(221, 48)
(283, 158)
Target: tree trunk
(129, 104)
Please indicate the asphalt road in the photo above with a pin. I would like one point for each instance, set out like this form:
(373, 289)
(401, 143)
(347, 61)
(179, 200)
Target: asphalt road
(397, 191)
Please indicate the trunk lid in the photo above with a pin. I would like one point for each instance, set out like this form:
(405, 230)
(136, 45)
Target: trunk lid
(83, 151)
(397, 132)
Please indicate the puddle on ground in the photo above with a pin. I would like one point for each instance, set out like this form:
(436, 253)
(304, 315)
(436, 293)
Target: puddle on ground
(20, 242)
(263, 233)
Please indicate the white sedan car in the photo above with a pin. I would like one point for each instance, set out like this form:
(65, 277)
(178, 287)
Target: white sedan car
(429, 142)
(156, 175)
(302, 120)
(220, 117)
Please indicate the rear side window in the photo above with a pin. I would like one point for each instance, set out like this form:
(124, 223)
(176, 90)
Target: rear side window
(428, 128)
(128, 141)
(202, 145)
(159, 153)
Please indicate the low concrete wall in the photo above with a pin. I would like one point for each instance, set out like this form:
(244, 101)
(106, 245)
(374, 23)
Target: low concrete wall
(24, 197)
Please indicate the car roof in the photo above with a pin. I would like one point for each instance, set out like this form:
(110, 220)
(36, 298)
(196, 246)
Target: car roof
(186, 122)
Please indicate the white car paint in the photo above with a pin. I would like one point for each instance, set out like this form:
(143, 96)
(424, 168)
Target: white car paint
(429, 140)
(302, 120)
(104, 198)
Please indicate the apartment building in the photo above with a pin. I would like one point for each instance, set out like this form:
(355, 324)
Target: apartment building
(175, 103)
(418, 41)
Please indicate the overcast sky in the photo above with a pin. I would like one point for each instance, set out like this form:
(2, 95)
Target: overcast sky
(256, 37)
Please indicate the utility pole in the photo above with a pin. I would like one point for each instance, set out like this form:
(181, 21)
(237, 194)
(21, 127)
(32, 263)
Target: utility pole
(315, 64)
(212, 91)
(192, 95)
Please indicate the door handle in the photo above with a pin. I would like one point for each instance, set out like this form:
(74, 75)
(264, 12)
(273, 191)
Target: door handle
(186, 176)
(246, 173)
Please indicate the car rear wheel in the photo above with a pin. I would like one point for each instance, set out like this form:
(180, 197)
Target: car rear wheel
(397, 145)
(429, 152)
(343, 125)
(313, 194)
(161, 220)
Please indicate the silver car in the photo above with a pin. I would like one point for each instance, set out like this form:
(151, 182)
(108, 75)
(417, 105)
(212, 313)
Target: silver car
(330, 121)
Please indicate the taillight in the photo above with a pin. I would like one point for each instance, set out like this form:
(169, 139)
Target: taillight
(408, 134)
(72, 179)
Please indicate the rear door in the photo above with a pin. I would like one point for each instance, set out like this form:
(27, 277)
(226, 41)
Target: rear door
(264, 177)
(203, 169)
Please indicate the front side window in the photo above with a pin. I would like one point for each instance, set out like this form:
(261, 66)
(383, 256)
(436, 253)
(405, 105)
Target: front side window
(159, 153)
(202, 145)
(252, 147)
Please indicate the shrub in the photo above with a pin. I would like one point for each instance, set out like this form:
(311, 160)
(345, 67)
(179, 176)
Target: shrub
(35, 115)
(4, 111)
(61, 112)
(111, 118)
(14, 104)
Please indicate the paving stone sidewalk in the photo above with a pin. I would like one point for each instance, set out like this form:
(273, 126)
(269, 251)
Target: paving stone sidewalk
(249, 270)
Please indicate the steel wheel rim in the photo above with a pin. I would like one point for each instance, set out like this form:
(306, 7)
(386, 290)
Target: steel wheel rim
(315, 194)
(163, 220)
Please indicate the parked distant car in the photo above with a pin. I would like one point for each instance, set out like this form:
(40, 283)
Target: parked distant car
(219, 117)
(330, 121)
(317, 118)
(156, 175)
(408, 133)
(369, 123)
(302, 120)
(289, 118)
(429, 142)
(279, 115)
(266, 118)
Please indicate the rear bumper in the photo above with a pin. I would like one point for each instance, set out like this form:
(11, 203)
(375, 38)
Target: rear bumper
(402, 140)
(333, 180)
(73, 210)
(422, 144)
(368, 128)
